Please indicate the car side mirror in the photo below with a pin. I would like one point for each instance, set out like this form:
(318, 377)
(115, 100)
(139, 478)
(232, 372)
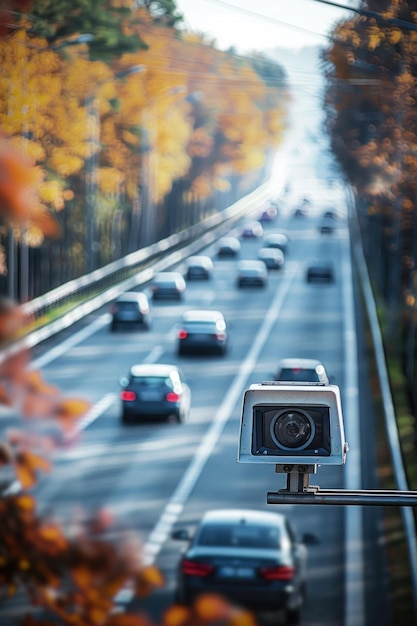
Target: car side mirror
(181, 533)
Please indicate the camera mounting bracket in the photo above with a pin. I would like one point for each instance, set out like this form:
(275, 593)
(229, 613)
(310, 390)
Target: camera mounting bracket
(299, 491)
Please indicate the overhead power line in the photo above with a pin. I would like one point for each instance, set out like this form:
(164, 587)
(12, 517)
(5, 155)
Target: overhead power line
(388, 21)
(262, 16)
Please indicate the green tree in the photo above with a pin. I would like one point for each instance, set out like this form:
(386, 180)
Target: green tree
(105, 20)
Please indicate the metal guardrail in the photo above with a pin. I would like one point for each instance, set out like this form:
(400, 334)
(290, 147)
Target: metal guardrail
(62, 307)
(387, 401)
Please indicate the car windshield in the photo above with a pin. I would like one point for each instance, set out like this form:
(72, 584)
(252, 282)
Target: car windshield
(239, 536)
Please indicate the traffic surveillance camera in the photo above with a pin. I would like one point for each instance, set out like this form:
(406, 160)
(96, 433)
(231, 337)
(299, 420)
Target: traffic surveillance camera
(286, 423)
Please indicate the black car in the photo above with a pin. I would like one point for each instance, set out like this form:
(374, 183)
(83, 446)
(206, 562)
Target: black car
(320, 272)
(251, 274)
(155, 391)
(203, 331)
(199, 267)
(168, 285)
(252, 558)
(130, 308)
(228, 247)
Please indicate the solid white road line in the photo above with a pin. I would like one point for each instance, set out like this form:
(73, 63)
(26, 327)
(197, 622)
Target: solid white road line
(354, 565)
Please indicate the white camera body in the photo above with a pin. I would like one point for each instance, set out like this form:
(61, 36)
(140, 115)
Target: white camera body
(292, 423)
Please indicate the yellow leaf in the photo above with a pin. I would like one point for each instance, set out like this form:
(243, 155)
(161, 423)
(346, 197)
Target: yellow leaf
(176, 616)
(374, 41)
(25, 474)
(395, 36)
(212, 607)
(71, 408)
(53, 534)
(27, 503)
(148, 579)
(82, 577)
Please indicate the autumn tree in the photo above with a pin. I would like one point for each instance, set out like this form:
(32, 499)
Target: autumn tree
(125, 154)
(372, 119)
(70, 573)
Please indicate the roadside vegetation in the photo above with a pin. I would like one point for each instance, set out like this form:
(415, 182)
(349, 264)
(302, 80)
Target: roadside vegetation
(370, 101)
(372, 120)
(133, 130)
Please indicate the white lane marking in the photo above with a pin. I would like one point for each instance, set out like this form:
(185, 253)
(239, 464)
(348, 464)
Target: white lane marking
(354, 565)
(96, 411)
(175, 505)
(131, 447)
(154, 355)
(72, 341)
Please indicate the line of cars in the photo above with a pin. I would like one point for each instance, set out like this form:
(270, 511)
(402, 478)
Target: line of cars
(160, 391)
(149, 394)
(252, 558)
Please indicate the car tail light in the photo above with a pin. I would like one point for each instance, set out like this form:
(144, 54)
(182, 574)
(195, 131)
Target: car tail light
(193, 568)
(278, 572)
(182, 334)
(173, 397)
(127, 396)
(220, 336)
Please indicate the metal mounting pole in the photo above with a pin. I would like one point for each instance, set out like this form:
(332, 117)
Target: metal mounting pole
(299, 491)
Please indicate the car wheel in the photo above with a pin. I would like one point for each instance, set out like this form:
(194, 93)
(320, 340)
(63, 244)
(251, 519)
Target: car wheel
(113, 327)
(175, 418)
(293, 616)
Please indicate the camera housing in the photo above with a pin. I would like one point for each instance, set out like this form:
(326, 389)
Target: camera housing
(284, 422)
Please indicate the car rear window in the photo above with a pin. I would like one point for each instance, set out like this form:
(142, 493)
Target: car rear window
(239, 536)
(200, 324)
(151, 381)
(298, 374)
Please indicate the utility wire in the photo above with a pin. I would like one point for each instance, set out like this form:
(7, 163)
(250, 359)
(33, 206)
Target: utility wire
(389, 21)
(264, 17)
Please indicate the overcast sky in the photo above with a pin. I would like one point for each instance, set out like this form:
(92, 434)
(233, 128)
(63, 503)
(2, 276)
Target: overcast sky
(263, 24)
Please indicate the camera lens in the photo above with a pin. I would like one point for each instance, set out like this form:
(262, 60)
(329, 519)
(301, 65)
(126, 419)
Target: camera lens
(292, 429)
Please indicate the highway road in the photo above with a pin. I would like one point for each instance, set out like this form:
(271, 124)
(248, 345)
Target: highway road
(157, 477)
